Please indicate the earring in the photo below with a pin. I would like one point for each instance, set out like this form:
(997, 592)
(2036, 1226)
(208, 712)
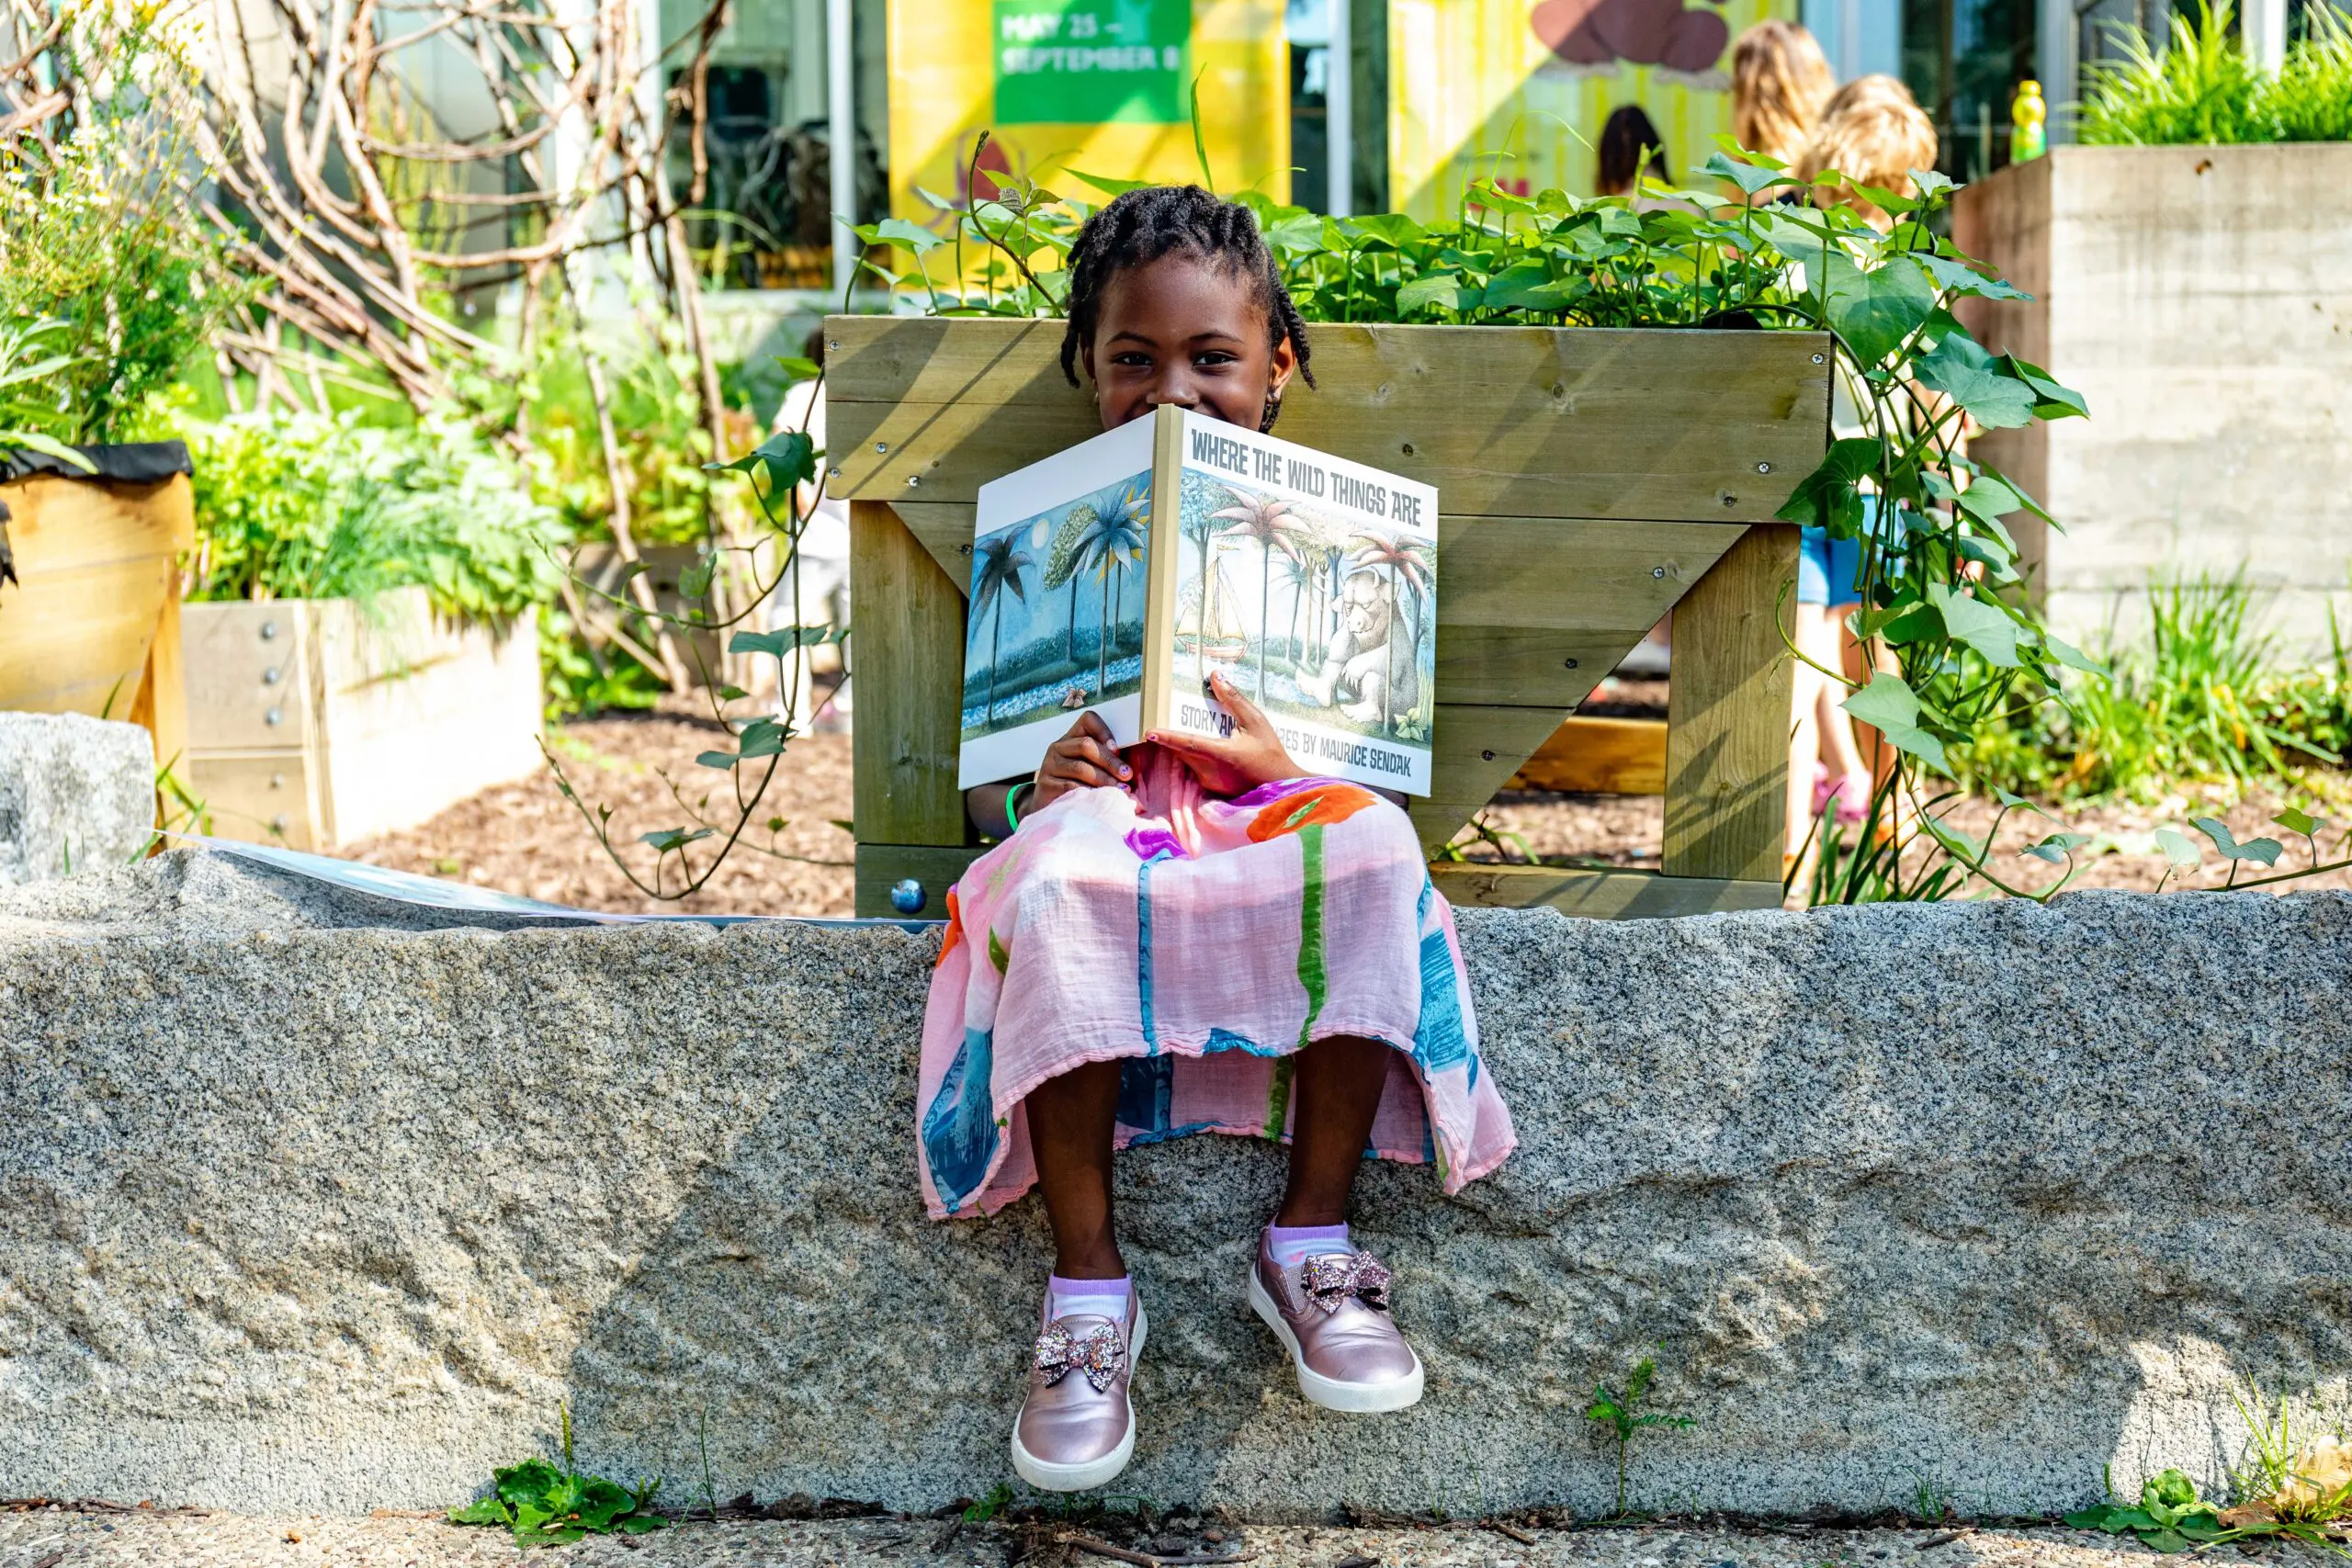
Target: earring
(1274, 412)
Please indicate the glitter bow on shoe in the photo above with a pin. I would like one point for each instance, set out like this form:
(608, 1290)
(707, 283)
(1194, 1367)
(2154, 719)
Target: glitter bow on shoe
(1097, 1354)
(1331, 1278)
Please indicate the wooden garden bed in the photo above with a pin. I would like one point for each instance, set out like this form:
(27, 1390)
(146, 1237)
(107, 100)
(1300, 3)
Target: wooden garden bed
(1591, 481)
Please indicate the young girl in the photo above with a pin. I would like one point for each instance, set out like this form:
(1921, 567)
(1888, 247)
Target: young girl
(1780, 80)
(1194, 935)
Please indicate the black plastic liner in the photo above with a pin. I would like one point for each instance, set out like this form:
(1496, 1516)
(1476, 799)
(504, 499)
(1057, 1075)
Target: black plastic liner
(128, 462)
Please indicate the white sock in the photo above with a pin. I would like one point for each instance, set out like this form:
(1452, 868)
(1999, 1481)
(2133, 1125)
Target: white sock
(1294, 1244)
(1089, 1298)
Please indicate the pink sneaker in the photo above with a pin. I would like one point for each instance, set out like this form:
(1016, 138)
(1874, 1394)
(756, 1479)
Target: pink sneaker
(1332, 1314)
(1077, 1428)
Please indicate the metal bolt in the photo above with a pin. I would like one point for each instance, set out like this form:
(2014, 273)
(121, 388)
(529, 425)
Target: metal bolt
(1731, 500)
(881, 446)
(1816, 359)
(278, 825)
(1485, 756)
(1569, 664)
(1409, 448)
(268, 631)
(1763, 467)
(278, 781)
(832, 473)
(908, 897)
(913, 480)
(1658, 571)
(963, 549)
(269, 676)
(832, 343)
(275, 715)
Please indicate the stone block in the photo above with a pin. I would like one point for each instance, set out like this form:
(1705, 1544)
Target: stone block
(300, 1210)
(76, 793)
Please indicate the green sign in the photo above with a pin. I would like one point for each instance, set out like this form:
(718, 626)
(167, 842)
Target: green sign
(1091, 61)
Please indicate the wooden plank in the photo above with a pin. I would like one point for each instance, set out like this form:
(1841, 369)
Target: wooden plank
(906, 656)
(945, 528)
(162, 704)
(1727, 716)
(262, 797)
(95, 562)
(247, 660)
(1599, 756)
(1690, 426)
(881, 867)
(1597, 895)
(1474, 750)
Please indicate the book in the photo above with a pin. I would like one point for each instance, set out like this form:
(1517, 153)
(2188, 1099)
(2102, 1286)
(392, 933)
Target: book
(1118, 574)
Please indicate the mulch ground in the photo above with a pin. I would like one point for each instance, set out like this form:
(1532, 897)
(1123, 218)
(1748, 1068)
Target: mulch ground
(72, 1535)
(525, 837)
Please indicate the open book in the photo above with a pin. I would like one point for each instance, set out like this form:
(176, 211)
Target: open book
(1116, 575)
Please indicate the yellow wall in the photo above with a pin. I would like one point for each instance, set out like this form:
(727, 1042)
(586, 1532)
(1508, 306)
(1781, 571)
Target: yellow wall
(1472, 77)
(943, 82)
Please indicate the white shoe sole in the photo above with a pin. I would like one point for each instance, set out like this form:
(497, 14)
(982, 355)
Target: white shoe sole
(1353, 1398)
(1047, 1477)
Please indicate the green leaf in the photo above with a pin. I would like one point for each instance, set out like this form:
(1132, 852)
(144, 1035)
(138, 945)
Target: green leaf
(1982, 627)
(784, 640)
(482, 1511)
(2296, 820)
(906, 236)
(1442, 289)
(1874, 312)
(1961, 369)
(2073, 658)
(601, 1502)
(695, 581)
(722, 761)
(2177, 848)
(2051, 401)
(1762, 174)
(763, 738)
(670, 839)
(2165, 1541)
(1889, 704)
(1831, 492)
(639, 1524)
(1106, 185)
(528, 1482)
(1961, 277)
(790, 456)
(1392, 229)
(2265, 850)
(797, 369)
(2056, 847)
(2091, 1519)
(732, 694)
(997, 954)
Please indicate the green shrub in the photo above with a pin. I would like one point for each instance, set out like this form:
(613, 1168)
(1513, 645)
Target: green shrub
(302, 506)
(2310, 98)
(2200, 87)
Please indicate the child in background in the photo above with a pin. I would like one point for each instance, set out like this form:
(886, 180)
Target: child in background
(1872, 133)
(1193, 935)
(1630, 148)
(1780, 80)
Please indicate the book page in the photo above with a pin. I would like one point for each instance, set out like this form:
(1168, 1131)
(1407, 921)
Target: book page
(1312, 582)
(1055, 618)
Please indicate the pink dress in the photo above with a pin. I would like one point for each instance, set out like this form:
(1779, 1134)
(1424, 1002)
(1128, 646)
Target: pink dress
(1200, 941)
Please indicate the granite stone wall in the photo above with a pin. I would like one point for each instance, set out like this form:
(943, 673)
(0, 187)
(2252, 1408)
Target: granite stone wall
(310, 1203)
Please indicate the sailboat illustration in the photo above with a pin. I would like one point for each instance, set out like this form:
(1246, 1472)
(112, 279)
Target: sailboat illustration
(1207, 623)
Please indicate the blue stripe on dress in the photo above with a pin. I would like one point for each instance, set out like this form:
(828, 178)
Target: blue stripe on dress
(1147, 1087)
(1439, 1040)
(1226, 1040)
(1143, 953)
(960, 1130)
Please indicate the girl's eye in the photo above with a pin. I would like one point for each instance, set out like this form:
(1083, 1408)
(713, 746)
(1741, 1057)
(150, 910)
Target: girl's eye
(1216, 356)
(1132, 358)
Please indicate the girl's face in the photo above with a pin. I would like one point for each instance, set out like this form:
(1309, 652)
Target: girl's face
(1182, 331)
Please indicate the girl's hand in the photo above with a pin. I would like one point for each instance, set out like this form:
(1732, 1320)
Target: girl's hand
(1083, 759)
(1250, 756)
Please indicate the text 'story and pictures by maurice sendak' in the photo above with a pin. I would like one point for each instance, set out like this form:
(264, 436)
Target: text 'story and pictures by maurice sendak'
(1119, 574)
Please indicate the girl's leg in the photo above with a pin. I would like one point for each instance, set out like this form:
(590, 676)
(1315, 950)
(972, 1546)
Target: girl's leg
(1804, 732)
(1070, 1136)
(1840, 750)
(1334, 1096)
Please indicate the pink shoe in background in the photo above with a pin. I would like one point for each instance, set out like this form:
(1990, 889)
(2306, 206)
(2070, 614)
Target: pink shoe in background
(1332, 1314)
(1077, 1428)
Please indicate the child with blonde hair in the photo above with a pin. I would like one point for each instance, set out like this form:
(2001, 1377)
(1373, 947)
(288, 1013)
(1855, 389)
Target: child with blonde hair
(1872, 133)
(1780, 80)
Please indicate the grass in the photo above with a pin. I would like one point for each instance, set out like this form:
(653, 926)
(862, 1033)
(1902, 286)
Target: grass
(2198, 87)
(2203, 695)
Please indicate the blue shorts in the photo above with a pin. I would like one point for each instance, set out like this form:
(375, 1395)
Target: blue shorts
(1829, 572)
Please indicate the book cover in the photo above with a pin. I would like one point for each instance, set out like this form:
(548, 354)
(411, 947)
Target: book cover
(1118, 574)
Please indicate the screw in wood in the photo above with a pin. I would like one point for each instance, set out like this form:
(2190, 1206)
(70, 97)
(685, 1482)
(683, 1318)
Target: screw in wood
(1485, 756)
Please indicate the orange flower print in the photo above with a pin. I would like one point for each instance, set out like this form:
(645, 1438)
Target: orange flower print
(1312, 807)
(954, 930)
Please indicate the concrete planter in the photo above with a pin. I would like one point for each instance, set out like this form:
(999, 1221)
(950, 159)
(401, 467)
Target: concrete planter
(2201, 298)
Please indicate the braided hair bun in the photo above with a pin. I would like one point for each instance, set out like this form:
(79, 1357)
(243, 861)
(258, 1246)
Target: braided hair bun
(1141, 226)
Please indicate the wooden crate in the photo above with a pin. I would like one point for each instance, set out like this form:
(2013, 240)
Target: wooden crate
(1591, 481)
(318, 723)
(92, 625)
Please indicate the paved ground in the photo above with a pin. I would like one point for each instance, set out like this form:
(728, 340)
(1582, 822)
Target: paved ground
(67, 1537)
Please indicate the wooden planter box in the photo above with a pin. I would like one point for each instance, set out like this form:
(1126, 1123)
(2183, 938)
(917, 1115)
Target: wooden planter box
(2201, 297)
(315, 723)
(1591, 481)
(91, 623)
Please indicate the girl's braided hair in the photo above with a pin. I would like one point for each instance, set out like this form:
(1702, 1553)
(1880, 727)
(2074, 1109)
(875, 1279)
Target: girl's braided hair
(1142, 225)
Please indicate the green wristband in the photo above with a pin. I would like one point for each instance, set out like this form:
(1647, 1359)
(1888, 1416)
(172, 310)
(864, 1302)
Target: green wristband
(1011, 801)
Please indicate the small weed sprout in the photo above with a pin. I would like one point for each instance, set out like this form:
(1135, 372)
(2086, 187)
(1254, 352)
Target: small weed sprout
(546, 1505)
(999, 1498)
(1621, 1417)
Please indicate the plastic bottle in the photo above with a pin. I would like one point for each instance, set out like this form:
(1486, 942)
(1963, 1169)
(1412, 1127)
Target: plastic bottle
(2028, 117)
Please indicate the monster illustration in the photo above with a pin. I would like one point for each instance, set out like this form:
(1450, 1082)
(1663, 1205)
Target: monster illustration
(1370, 671)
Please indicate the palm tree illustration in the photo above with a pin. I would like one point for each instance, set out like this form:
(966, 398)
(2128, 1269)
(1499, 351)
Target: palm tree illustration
(1296, 575)
(1198, 527)
(1411, 566)
(1265, 519)
(1113, 540)
(998, 571)
(1062, 567)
